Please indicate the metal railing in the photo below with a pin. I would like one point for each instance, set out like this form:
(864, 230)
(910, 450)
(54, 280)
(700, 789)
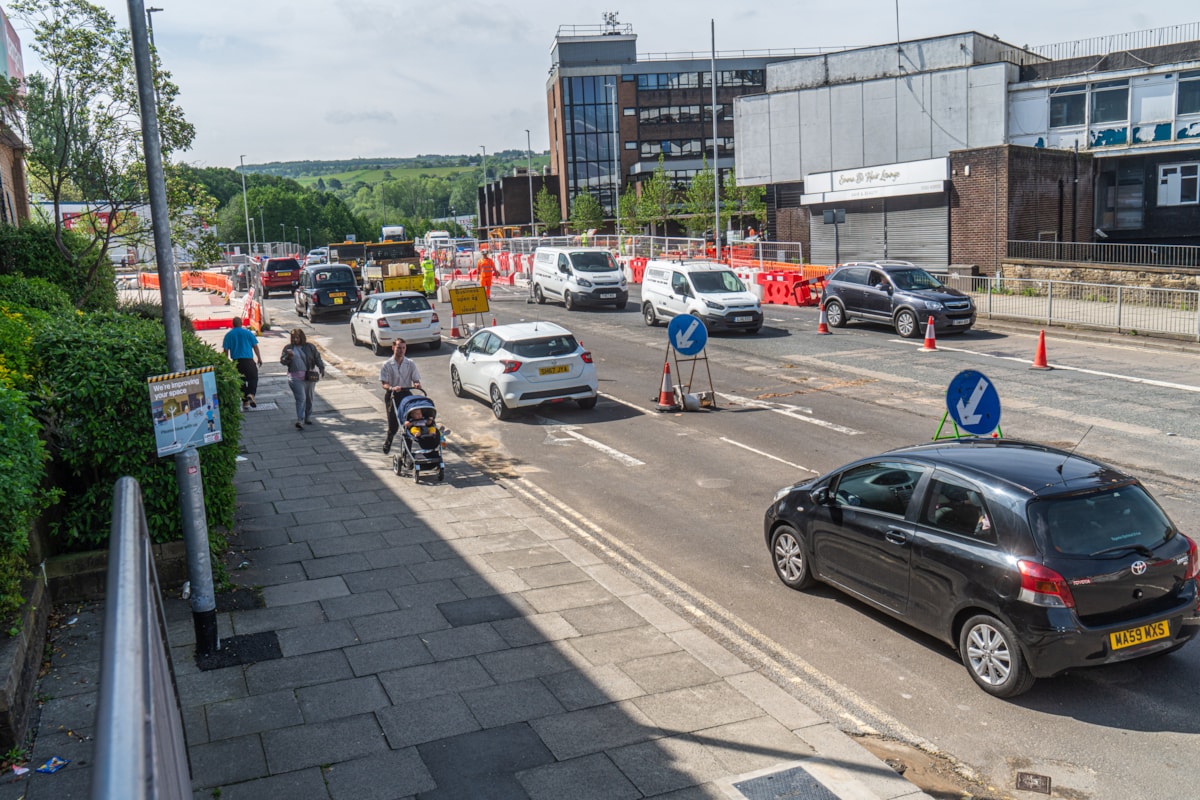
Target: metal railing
(1178, 256)
(1131, 309)
(140, 747)
(1113, 43)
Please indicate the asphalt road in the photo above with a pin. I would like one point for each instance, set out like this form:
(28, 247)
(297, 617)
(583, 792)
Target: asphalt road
(680, 498)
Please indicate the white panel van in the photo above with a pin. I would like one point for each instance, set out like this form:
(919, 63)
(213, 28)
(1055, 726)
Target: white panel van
(705, 289)
(579, 276)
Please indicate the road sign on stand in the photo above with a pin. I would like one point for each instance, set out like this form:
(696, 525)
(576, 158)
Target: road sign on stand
(687, 334)
(973, 403)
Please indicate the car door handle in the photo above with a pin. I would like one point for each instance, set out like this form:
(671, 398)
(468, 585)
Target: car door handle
(896, 537)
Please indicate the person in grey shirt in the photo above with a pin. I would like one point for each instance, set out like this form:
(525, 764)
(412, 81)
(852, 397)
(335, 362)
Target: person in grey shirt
(399, 376)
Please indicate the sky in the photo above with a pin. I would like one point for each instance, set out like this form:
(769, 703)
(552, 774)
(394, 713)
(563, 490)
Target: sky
(288, 80)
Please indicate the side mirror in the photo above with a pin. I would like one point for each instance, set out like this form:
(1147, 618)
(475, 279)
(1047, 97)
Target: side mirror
(820, 495)
(462, 348)
(564, 269)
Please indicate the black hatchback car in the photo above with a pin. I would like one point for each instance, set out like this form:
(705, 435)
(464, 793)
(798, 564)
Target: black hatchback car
(1029, 560)
(897, 293)
(326, 289)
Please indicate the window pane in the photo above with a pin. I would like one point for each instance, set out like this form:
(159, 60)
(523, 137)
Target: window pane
(1189, 97)
(1110, 105)
(1067, 110)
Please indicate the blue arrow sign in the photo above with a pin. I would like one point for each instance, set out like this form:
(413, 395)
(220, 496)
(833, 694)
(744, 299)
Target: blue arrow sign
(973, 403)
(687, 334)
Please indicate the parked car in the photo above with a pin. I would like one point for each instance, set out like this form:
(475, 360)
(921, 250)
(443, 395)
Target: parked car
(1029, 560)
(384, 317)
(326, 289)
(522, 365)
(898, 293)
(278, 274)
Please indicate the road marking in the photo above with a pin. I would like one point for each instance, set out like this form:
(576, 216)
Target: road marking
(1128, 378)
(768, 455)
(611, 452)
(794, 412)
(625, 403)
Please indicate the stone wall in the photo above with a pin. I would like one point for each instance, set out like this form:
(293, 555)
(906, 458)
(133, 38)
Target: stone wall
(1107, 274)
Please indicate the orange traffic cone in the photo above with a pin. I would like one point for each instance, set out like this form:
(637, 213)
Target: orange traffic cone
(1039, 358)
(454, 334)
(823, 325)
(666, 395)
(930, 337)
(493, 320)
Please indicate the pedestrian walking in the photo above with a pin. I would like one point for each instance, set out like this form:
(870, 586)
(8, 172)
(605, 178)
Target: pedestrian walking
(241, 345)
(399, 376)
(305, 367)
(487, 271)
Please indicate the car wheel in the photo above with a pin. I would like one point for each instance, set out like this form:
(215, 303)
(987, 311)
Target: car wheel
(648, 315)
(789, 558)
(379, 349)
(753, 331)
(266, 293)
(436, 344)
(990, 651)
(310, 314)
(296, 305)
(907, 325)
(537, 294)
(354, 336)
(498, 408)
(456, 383)
(618, 306)
(835, 315)
(568, 301)
(587, 403)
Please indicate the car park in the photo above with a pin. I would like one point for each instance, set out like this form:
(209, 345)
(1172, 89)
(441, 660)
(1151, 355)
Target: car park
(707, 290)
(383, 317)
(897, 293)
(523, 365)
(326, 289)
(579, 276)
(1029, 560)
(278, 275)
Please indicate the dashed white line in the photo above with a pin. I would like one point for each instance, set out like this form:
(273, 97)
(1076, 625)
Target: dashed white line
(611, 452)
(794, 412)
(768, 455)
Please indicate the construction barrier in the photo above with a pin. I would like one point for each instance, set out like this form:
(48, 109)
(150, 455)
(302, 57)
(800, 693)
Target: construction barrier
(790, 287)
(750, 278)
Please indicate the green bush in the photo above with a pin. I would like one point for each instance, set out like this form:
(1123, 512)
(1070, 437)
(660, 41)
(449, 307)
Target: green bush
(30, 251)
(96, 411)
(36, 293)
(16, 341)
(22, 457)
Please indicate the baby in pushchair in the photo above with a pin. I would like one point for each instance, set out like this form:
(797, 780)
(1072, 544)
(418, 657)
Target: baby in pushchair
(421, 439)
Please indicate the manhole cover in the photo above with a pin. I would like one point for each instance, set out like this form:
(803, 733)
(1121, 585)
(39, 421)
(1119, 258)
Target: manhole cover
(795, 783)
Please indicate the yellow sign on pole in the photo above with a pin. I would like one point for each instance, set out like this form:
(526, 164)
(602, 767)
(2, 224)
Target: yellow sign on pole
(468, 300)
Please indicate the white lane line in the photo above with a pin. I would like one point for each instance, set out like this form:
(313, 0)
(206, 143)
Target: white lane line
(1127, 378)
(625, 403)
(794, 412)
(613, 453)
(768, 455)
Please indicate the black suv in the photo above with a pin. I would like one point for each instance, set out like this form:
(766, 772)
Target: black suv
(1030, 560)
(898, 293)
(326, 289)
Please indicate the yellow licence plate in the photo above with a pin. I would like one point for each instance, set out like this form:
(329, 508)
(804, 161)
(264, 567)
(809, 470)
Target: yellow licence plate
(1146, 633)
(412, 321)
(337, 294)
(554, 370)
(337, 301)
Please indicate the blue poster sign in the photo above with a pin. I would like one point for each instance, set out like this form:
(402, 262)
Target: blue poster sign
(687, 334)
(973, 403)
(183, 406)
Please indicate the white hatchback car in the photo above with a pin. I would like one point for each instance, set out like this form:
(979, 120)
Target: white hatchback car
(383, 317)
(522, 365)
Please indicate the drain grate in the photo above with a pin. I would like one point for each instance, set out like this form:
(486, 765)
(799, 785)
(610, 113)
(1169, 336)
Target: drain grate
(795, 783)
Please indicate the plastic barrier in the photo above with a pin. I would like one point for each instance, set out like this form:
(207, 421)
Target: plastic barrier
(750, 278)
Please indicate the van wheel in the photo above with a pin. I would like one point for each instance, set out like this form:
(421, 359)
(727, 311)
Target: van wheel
(568, 301)
(648, 315)
(537, 294)
(753, 331)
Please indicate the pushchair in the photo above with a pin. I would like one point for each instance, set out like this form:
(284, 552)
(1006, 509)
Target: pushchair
(420, 438)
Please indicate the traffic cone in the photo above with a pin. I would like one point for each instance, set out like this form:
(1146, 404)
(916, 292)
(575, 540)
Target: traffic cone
(1039, 358)
(823, 325)
(666, 395)
(493, 320)
(454, 334)
(930, 337)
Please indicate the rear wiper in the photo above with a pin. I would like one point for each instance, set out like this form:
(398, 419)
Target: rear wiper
(1140, 549)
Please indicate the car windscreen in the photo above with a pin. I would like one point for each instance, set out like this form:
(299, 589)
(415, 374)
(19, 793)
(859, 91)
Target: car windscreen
(593, 262)
(717, 281)
(547, 347)
(911, 280)
(404, 305)
(1120, 519)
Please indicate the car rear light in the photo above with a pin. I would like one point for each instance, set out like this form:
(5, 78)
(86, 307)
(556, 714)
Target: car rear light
(1193, 563)
(510, 366)
(434, 318)
(1042, 586)
(586, 356)
(383, 323)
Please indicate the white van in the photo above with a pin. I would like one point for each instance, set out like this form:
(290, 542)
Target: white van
(579, 276)
(704, 289)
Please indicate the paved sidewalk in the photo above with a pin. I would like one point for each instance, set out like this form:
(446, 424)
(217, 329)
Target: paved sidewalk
(444, 641)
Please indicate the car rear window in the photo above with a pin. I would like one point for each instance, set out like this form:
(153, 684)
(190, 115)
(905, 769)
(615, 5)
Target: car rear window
(333, 277)
(277, 264)
(544, 348)
(404, 305)
(1090, 524)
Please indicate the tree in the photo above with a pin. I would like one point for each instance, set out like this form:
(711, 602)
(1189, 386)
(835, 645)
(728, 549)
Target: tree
(586, 213)
(547, 210)
(320, 184)
(698, 200)
(745, 201)
(84, 129)
(658, 198)
(627, 212)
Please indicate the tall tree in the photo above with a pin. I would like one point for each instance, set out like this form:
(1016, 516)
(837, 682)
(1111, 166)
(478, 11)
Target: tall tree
(698, 200)
(658, 198)
(586, 212)
(746, 203)
(547, 210)
(627, 212)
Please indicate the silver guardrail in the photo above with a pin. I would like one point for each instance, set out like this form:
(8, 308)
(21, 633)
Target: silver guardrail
(141, 752)
(1166, 256)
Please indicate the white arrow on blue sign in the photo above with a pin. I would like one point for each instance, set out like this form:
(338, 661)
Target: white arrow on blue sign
(687, 334)
(973, 403)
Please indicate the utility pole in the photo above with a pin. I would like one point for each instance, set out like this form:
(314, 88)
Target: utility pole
(529, 174)
(245, 205)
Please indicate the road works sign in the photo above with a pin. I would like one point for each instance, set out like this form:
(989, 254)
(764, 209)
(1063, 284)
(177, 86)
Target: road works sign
(973, 403)
(687, 334)
(466, 300)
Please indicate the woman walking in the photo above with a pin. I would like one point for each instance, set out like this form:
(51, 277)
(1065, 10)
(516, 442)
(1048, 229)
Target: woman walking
(305, 368)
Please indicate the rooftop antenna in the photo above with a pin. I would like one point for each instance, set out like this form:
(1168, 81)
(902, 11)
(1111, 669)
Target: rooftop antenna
(1072, 452)
(610, 21)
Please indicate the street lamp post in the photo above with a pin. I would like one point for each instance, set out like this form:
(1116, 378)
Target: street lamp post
(282, 234)
(297, 227)
(262, 230)
(245, 206)
(483, 163)
(309, 237)
(251, 231)
(616, 197)
(529, 172)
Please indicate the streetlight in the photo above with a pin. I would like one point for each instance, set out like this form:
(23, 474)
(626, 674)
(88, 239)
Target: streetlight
(483, 164)
(616, 201)
(245, 206)
(283, 235)
(262, 230)
(297, 227)
(529, 172)
(251, 232)
(309, 237)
